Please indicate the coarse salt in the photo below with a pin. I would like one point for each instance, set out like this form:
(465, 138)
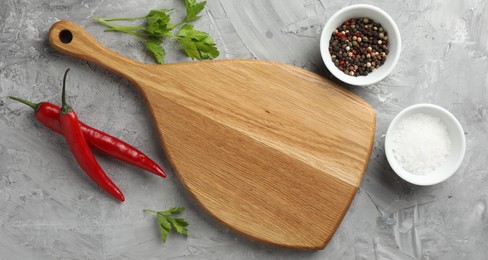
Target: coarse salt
(420, 143)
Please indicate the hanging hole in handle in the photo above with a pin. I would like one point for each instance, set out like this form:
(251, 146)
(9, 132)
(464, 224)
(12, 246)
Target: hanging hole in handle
(65, 36)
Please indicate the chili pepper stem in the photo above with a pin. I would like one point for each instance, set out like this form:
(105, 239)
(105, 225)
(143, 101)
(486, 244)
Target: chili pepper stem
(65, 108)
(33, 105)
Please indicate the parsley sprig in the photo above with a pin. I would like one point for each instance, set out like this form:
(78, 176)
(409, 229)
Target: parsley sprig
(168, 223)
(193, 9)
(196, 44)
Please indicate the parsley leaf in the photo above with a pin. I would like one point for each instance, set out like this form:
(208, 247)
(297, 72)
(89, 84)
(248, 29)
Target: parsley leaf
(154, 46)
(182, 224)
(173, 210)
(193, 9)
(164, 227)
(180, 229)
(168, 223)
(190, 48)
(197, 44)
(158, 23)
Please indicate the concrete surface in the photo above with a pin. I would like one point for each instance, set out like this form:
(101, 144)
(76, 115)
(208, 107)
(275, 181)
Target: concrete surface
(50, 210)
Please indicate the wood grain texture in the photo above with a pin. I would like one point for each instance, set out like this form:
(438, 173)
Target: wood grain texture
(273, 151)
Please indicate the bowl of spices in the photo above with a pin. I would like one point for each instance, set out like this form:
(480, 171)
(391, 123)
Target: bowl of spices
(425, 144)
(360, 44)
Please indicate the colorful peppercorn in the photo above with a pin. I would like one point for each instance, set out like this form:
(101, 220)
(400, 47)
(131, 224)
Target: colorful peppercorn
(358, 46)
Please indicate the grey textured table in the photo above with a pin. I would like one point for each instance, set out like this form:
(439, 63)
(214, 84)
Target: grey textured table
(49, 209)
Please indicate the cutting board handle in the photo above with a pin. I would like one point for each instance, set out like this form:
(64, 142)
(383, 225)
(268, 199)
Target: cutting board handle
(69, 38)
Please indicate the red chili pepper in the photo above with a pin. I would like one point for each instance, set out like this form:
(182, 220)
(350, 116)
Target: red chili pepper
(48, 114)
(68, 120)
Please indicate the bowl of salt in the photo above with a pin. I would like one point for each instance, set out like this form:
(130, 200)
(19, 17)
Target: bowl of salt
(425, 144)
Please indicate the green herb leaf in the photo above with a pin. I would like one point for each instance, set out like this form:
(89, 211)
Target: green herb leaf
(193, 9)
(158, 23)
(167, 223)
(164, 227)
(197, 44)
(164, 223)
(181, 222)
(154, 46)
(175, 210)
(190, 48)
(178, 228)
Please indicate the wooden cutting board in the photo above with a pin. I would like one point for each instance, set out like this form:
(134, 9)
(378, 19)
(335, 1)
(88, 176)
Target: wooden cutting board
(272, 151)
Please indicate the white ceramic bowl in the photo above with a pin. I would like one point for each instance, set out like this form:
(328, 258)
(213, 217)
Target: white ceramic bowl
(455, 157)
(378, 15)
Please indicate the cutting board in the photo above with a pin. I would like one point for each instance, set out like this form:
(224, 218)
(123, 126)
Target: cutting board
(273, 151)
